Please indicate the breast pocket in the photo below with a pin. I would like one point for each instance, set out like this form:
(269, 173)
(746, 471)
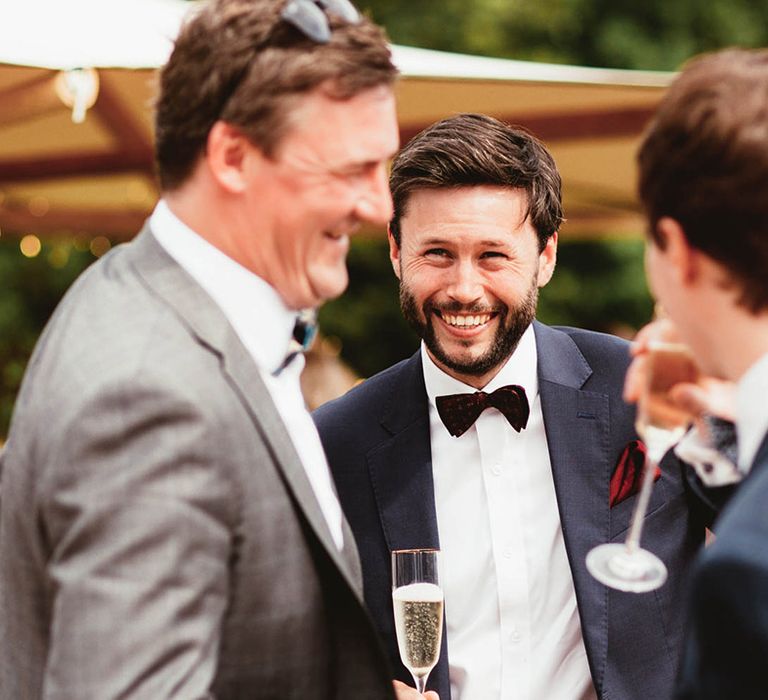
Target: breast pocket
(667, 489)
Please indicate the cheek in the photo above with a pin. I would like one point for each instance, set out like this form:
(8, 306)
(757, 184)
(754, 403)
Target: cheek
(423, 280)
(650, 261)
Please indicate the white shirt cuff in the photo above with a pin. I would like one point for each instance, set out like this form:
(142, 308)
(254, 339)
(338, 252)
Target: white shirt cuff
(711, 466)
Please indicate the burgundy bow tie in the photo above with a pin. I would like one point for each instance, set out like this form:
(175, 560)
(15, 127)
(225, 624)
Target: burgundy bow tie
(459, 411)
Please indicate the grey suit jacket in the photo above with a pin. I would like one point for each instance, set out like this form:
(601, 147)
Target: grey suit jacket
(158, 534)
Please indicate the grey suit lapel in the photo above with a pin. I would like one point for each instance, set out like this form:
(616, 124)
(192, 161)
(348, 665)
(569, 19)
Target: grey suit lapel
(167, 280)
(578, 429)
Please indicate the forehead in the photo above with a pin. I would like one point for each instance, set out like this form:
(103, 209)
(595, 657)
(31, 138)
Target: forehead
(467, 212)
(361, 128)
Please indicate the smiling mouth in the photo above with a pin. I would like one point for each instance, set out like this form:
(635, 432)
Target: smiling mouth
(465, 320)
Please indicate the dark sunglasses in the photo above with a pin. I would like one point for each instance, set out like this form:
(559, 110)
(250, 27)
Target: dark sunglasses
(309, 16)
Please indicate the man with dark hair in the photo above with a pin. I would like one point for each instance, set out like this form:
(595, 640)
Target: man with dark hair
(514, 495)
(703, 182)
(169, 527)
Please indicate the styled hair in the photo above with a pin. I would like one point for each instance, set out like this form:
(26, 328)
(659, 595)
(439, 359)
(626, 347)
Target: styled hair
(238, 61)
(704, 163)
(473, 149)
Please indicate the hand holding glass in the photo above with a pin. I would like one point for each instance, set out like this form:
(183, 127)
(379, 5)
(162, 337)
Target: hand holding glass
(418, 603)
(627, 566)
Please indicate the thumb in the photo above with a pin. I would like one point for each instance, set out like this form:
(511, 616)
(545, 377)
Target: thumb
(691, 398)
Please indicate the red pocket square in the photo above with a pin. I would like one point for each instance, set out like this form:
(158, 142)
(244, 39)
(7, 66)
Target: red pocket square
(626, 478)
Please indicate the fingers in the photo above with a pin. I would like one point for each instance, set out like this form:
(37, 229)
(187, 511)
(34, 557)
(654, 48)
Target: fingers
(711, 396)
(689, 397)
(662, 330)
(635, 379)
(405, 692)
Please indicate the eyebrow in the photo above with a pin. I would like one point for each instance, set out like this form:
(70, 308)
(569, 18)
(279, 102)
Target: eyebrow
(488, 243)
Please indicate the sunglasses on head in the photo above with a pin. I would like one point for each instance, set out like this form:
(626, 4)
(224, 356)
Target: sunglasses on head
(309, 16)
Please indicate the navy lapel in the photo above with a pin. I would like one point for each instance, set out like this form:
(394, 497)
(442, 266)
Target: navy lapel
(401, 475)
(578, 430)
(401, 467)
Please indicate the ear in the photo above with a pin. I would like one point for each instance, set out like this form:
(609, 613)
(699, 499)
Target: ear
(682, 259)
(227, 152)
(547, 260)
(394, 252)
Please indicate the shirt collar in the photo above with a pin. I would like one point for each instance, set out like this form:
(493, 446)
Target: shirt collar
(256, 311)
(520, 368)
(751, 415)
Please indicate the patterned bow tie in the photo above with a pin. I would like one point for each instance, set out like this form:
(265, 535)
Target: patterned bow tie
(460, 411)
(304, 332)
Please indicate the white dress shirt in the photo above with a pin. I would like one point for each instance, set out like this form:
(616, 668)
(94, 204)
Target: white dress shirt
(513, 625)
(264, 324)
(751, 412)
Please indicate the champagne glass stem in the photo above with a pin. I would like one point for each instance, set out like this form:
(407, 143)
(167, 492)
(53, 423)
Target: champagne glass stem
(632, 542)
(421, 683)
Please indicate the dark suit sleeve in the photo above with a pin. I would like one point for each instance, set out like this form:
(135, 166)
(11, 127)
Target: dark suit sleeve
(726, 649)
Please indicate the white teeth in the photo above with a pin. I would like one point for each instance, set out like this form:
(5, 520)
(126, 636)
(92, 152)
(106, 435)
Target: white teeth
(466, 321)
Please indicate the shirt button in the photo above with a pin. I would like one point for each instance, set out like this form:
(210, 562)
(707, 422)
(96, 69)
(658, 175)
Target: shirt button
(508, 554)
(515, 637)
(496, 469)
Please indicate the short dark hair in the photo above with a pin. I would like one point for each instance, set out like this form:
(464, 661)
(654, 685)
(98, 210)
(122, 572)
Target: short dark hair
(238, 61)
(704, 163)
(473, 149)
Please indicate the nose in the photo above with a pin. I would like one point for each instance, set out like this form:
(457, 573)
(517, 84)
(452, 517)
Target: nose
(375, 202)
(465, 284)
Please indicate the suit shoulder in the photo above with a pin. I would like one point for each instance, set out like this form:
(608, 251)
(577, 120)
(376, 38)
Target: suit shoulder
(366, 400)
(597, 346)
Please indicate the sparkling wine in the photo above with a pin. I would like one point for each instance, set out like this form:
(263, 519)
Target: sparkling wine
(668, 364)
(660, 422)
(419, 625)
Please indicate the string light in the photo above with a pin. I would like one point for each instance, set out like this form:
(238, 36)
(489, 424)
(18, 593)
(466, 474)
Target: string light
(38, 206)
(100, 245)
(30, 246)
(59, 256)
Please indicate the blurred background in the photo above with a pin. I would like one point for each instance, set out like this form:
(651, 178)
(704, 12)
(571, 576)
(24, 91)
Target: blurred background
(599, 282)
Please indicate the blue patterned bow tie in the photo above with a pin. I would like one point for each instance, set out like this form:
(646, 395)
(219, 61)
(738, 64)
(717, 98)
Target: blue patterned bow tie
(304, 333)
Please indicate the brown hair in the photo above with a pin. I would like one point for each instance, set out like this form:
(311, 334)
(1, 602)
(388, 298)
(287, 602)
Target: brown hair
(240, 62)
(704, 162)
(474, 149)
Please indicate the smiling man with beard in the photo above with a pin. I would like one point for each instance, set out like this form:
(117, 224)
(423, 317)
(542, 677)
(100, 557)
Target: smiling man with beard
(504, 442)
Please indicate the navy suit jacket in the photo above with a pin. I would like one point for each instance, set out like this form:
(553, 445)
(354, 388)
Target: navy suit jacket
(726, 650)
(378, 445)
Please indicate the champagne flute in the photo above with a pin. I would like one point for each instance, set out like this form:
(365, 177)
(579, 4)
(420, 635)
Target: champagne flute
(418, 603)
(627, 566)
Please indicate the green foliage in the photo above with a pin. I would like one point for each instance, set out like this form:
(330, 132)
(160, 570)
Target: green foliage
(598, 285)
(366, 319)
(654, 34)
(30, 288)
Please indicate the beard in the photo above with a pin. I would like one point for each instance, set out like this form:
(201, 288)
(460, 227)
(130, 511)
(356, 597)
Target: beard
(513, 322)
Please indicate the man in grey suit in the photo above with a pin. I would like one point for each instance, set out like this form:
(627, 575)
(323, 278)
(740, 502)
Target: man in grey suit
(169, 527)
